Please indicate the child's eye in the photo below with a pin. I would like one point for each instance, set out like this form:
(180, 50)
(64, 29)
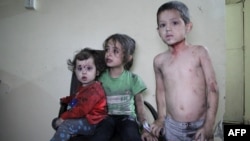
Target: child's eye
(89, 68)
(106, 49)
(175, 23)
(79, 68)
(162, 25)
(116, 51)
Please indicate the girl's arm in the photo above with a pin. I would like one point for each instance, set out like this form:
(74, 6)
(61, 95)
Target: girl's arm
(139, 104)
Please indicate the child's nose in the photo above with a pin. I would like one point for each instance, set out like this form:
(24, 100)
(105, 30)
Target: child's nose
(84, 70)
(109, 52)
(168, 27)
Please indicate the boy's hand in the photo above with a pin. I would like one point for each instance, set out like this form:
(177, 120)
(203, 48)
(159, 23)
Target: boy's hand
(204, 135)
(146, 136)
(156, 127)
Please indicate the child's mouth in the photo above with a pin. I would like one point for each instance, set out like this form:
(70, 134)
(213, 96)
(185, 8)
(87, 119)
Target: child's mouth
(108, 60)
(84, 78)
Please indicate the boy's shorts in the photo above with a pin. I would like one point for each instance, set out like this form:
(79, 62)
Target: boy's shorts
(181, 131)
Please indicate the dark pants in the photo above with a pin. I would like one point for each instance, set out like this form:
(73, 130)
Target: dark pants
(103, 132)
(125, 127)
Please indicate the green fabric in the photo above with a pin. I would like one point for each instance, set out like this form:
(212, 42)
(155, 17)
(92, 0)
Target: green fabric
(121, 91)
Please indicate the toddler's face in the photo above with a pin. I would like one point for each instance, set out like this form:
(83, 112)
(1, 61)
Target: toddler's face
(171, 28)
(86, 71)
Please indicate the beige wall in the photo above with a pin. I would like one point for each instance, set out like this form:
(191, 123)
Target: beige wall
(247, 62)
(35, 44)
(238, 77)
(234, 64)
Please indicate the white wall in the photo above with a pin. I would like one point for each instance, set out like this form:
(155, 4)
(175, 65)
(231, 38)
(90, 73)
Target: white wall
(35, 44)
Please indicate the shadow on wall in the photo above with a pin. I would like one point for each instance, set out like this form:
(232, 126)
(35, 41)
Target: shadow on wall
(27, 110)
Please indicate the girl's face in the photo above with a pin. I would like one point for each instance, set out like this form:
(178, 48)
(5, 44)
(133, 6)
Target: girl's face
(114, 54)
(172, 28)
(86, 71)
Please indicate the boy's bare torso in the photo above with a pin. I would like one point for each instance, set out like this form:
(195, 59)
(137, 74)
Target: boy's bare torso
(184, 83)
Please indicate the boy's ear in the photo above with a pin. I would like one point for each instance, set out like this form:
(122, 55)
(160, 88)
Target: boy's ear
(189, 26)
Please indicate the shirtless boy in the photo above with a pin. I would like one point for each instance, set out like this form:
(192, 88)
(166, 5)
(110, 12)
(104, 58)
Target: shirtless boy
(186, 87)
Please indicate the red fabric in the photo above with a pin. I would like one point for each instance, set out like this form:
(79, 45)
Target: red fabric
(91, 104)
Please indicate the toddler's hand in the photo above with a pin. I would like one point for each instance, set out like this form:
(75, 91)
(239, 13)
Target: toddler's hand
(57, 122)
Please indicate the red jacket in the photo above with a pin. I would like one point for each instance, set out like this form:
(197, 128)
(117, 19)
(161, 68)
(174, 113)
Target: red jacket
(91, 104)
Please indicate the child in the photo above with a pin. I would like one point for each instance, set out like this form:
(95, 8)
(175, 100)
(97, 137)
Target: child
(88, 106)
(186, 87)
(123, 89)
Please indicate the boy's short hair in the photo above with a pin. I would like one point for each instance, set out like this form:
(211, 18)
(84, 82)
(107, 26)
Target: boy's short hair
(175, 5)
(86, 53)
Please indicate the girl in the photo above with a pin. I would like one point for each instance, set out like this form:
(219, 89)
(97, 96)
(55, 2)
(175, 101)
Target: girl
(123, 89)
(87, 107)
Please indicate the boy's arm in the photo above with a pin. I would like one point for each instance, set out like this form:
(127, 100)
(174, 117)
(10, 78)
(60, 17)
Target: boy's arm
(160, 99)
(212, 93)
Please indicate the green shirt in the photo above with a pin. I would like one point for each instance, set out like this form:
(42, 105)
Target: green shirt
(121, 91)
